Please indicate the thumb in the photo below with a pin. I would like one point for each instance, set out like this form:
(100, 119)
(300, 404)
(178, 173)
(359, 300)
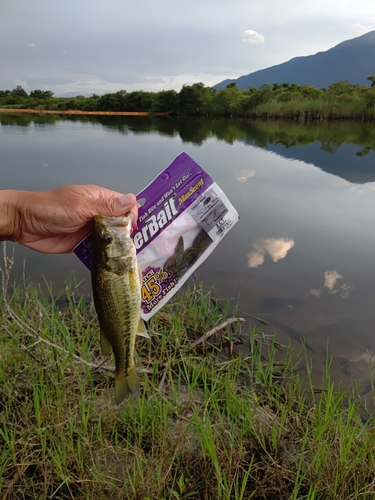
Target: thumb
(113, 207)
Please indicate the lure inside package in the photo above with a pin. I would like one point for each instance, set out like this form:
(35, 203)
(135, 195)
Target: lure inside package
(183, 218)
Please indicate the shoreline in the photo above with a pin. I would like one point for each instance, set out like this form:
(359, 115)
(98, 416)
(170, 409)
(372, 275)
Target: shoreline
(232, 426)
(79, 112)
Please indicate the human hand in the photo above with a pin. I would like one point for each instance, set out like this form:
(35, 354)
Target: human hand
(55, 221)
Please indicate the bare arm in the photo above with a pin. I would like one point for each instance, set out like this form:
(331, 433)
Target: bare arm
(55, 221)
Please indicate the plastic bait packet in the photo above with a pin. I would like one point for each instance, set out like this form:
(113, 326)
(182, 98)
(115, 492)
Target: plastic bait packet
(183, 218)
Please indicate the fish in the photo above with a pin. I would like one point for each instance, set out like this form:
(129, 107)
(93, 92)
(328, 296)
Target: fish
(116, 285)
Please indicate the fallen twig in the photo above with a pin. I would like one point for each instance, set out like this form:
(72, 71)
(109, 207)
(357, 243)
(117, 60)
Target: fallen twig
(213, 331)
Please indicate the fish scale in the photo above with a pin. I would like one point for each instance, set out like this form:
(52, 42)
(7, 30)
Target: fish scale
(117, 296)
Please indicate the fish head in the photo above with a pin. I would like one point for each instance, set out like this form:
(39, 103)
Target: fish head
(112, 236)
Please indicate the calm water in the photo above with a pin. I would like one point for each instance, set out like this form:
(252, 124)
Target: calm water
(303, 253)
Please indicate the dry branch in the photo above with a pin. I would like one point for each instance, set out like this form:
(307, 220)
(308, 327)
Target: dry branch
(214, 330)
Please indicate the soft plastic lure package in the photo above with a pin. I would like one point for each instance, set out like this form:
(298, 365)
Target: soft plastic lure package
(183, 218)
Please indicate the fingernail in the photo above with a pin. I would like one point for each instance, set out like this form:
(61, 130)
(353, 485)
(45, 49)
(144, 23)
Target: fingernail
(124, 200)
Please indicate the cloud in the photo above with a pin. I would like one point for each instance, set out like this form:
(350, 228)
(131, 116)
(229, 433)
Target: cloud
(182, 47)
(243, 175)
(316, 293)
(330, 280)
(356, 188)
(255, 259)
(358, 29)
(252, 36)
(276, 248)
(344, 290)
(337, 182)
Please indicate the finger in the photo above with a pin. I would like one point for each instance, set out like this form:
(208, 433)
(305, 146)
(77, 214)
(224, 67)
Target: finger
(114, 207)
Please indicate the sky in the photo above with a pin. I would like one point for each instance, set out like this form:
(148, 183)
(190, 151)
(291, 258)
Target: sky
(102, 46)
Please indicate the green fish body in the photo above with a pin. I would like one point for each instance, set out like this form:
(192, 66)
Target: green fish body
(116, 289)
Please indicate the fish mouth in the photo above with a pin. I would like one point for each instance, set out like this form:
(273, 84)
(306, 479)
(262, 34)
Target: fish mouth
(108, 228)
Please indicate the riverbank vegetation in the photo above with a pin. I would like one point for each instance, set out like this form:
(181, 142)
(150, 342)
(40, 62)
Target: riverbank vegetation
(340, 100)
(215, 420)
(288, 133)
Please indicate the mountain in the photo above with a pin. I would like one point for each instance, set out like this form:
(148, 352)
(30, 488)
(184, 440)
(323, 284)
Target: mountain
(344, 161)
(352, 60)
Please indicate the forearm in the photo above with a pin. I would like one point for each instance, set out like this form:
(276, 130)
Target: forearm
(55, 221)
(9, 215)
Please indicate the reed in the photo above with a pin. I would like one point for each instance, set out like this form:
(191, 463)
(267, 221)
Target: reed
(212, 422)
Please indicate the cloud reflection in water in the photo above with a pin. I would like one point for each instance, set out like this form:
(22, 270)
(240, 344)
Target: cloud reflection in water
(243, 175)
(330, 281)
(331, 278)
(276, 248)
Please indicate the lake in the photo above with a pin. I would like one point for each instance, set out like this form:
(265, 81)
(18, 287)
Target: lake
(303, 253)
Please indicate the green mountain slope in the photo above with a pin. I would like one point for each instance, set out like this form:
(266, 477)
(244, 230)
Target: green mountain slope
(352, 60)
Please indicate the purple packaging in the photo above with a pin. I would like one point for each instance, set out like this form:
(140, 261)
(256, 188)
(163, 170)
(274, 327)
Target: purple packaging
(183, 218)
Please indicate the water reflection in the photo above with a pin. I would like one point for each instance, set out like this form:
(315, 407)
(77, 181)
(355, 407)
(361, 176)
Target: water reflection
(243, 175)
(197, 130)
(276, 248)
(326, 145)
(337, 182)
(327, 213)
(330, 281)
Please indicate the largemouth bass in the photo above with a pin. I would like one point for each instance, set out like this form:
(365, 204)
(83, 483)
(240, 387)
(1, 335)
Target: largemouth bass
(116, 286)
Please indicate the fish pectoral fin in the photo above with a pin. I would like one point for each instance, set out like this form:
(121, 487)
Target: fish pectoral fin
(105, 345)
(142, 330)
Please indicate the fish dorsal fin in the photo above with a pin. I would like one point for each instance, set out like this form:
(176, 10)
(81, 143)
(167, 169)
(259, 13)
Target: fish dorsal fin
(105, 345)
(141, 330)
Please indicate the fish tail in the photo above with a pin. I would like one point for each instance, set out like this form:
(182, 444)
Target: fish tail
(126, 385)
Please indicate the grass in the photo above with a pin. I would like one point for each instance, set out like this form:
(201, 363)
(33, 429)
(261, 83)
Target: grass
(210, 423)
(317, 110)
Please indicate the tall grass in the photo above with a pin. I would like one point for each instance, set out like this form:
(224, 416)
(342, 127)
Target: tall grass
(212, 422)
(319, 109)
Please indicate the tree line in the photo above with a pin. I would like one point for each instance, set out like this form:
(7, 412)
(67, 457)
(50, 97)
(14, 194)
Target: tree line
(340, 100)
(196, 131)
